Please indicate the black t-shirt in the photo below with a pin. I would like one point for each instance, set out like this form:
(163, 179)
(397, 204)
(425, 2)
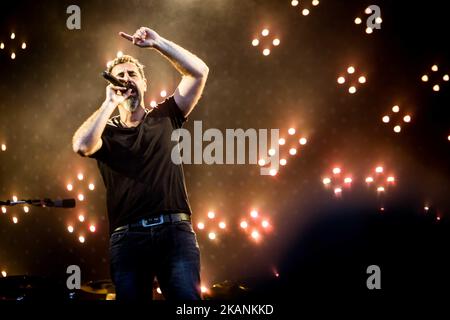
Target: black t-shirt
(136, 166)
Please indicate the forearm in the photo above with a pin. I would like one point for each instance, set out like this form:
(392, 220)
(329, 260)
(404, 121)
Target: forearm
(88, 135)
(185, 62)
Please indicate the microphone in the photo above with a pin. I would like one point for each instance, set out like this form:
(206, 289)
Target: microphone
(116, 82)
(60, 203)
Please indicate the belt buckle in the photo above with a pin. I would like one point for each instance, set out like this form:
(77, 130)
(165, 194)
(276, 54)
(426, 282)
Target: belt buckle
(145, 223)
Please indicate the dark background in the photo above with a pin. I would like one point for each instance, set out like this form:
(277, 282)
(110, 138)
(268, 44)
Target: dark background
(317, 240)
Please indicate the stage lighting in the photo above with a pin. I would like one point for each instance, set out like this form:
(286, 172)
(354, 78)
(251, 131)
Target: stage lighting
(211, 214)
(153, 103)
(15, 220)
(4, 210)
(276, 42)
(358, 20)
(395, 109)
(2, 46)
(4, 274)
(281, 141)
(265, 224)
(13, 56)
(303, 141)
(92, 228)
(380, 189)
(70, 229)
(272, 152)
(341, 80)
(119, 54)
(445, 77)
(14, 198)
(13, 35)
(348, 180)
(69, 187)
(211, 235)
(266, 52)
(292, 151)
(435, 78)
(291, 131)
(222, 225)
(351, 70)
(390, 179)
(436, 87)
(425, 78)
(397, 129)
(326, 181)
(81, 197)
(158, 290)
(203, 289)
(386, 119)
(369, 30)
(255, 42)
(273, 172)
(379, 169)
(315, 3)
(163, 93)
(336, 170)
(3, 147)
(201, 225)
(244, 224)
(362, 79)
(378, 20)
(26, 209)
(91, 186)
(407, 118)
(369, 180)
(80, 176)
(352, 89)
(255, 235)
(24, 45)
(81, 239)
(283, 162)
(434, 68)
(254, 214)
(337, 191)
(262, 162)
(305, 12)
(265, 32)
(81, 218)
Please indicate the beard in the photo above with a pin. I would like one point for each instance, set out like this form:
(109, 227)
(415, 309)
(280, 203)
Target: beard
(131, 103)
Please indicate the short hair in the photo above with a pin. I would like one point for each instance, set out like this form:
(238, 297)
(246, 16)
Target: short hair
(124, 59)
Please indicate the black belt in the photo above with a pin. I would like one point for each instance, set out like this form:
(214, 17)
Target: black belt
(157, 220)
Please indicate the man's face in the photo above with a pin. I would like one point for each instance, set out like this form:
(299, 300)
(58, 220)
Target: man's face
(129, 72)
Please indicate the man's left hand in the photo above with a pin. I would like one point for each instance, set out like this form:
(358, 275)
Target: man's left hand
(143, 37)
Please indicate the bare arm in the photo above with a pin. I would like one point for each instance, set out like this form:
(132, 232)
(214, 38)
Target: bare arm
(87, 139)
(193, 70)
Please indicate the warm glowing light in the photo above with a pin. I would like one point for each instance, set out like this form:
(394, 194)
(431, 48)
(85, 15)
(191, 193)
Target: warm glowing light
(438, 218)
(70, 229)
(358, 20)
(163, 93)
(262, 162)
(436, 87)
(303, 141)
(265, 224)
(348, 180)
(24, 45)
(337, 191)
(315, 2)
(276, 42)
(369, 30)
(201, 225)
(15, 220)
(424, 78)
(81, 218)
(445, 77)
(352, 89)
(368, 10)
(266, 52)
(254, 214)
(283, 162)
(4, 210)
(92, 228)
(434, 68)
(291, 131)
(362, 79)
(397, 129)
(294, 3)
(211, 235)
(211, 214)
(336, 170)
(81, 239)
(390, 179)
(14, 198)
(80, 176)
(426, 208)
(158, 290)
(326, 181)
(3, 147)
(265, 32)
(273, 172)
(244, 224)
(407, 118)
(305, 12)
(369, 179)
(395, 109)
(380, 189)
(341, 80)
(2, 46)
(282, 141)
(153, 103)
(203, 289)
(386, 119)
(255, 42)
(69, 187)
(91, 186)
(26, 209)
(272, 152)
(378, 20)
(222, 225)
(351, 70)
(13, 56)
(13, 35)
(379, 169)
(4, 274)
(119, 54)
(81, 197)
(255, 234)
(292, 151)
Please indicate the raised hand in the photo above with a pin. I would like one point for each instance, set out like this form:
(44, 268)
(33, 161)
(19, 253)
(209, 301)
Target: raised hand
(143, 37)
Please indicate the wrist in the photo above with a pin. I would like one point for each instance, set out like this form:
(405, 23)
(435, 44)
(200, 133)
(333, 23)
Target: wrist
(159, 43)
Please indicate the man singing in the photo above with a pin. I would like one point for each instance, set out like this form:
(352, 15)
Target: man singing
(148, 207)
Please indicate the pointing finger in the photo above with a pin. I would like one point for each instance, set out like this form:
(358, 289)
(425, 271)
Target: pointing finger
(126, 36)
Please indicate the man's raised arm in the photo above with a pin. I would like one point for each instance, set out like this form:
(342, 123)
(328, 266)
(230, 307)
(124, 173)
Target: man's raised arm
(192, 68)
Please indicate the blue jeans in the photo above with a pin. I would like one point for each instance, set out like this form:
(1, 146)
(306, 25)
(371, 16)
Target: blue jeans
(169, 251)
